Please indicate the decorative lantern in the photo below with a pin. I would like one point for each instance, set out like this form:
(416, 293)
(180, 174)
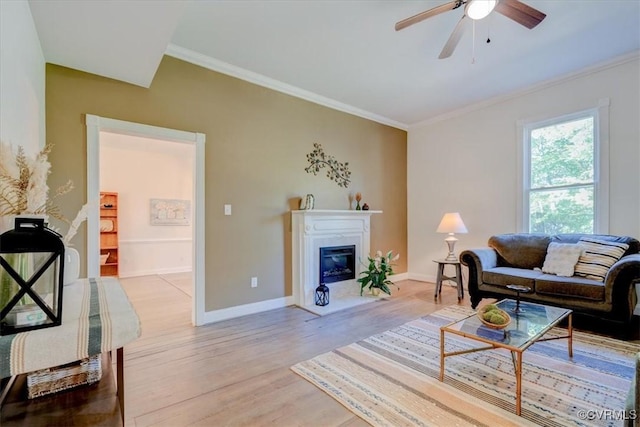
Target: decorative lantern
(322, 295)
(31, 277)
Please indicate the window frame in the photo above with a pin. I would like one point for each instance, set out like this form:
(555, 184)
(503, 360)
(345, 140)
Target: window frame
(600, 115)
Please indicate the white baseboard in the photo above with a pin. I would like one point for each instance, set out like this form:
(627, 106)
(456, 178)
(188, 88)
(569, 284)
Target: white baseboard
(422, 277)
(399, 277)
(258, 307)
(183, 269)
(243, 310)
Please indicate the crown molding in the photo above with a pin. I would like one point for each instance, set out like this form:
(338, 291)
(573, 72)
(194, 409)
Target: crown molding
(261, 80)
(633, 56)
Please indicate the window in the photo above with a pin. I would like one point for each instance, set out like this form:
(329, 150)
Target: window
(563, 172)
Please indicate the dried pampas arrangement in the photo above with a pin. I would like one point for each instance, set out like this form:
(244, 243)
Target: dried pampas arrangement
(24, 189)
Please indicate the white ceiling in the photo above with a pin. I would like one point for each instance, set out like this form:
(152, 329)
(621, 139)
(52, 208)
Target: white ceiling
(345, 54)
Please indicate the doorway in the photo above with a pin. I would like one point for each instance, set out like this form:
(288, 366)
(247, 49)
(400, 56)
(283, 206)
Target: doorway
(97, 126)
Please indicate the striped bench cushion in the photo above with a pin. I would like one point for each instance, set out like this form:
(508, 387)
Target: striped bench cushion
(598, 257)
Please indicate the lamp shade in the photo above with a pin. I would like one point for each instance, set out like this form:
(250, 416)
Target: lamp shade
(451, 223)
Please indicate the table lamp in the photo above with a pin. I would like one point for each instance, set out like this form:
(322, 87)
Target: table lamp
(451, 223)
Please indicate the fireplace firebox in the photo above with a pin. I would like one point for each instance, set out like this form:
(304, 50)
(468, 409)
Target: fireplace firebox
(337, 263)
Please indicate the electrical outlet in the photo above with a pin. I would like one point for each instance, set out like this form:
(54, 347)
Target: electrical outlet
(227, 209)
(254, 282)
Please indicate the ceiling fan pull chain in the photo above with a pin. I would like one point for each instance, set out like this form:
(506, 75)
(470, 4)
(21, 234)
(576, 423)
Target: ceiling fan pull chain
(473, 41)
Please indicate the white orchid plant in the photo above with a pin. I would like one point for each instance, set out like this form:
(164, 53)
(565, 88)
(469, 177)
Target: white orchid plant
(377, 271)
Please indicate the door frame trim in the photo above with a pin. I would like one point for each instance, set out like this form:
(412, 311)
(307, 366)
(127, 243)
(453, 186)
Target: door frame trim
(97, 124)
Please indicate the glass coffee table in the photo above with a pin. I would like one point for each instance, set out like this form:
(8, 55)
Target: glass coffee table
(526, 328)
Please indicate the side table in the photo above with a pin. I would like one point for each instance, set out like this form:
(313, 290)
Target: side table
(441, 276)
(97, 317)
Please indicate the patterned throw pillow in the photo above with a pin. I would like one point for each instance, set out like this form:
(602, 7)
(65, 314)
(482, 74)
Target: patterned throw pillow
(598, 257)
(561, 259)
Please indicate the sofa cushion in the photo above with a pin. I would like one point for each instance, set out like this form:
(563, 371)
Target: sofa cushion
(574, 287)
(561, 259)
(634, 244)
(520, 250)
(503, 276)
(598, 257)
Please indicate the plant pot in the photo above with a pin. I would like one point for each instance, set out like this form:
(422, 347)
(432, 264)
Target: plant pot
(375, 291)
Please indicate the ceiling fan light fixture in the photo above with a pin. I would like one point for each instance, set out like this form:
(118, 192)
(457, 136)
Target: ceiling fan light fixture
(478, 9)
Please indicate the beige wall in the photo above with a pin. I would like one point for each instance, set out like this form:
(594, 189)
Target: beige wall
(256, 145)
(469, 163)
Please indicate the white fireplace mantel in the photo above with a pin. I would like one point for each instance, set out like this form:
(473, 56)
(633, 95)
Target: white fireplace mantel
(313, 229)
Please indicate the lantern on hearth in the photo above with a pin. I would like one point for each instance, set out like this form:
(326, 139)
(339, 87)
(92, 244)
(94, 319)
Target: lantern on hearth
(322, 294)
(31, 277)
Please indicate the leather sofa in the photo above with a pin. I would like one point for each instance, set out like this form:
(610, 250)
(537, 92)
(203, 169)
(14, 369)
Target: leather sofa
(518, 258)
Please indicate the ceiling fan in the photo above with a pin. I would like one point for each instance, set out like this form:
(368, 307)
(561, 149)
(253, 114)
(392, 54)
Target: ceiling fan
(477, 9)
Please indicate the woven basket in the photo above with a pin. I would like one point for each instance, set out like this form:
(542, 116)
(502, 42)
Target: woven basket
(493, 325)
(52, 380)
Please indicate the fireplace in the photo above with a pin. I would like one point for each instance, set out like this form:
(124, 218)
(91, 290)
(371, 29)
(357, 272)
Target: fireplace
(314, 230)
(337, 263)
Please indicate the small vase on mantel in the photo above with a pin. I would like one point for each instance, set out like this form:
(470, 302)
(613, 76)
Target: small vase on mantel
(375, 292)
(307, 203)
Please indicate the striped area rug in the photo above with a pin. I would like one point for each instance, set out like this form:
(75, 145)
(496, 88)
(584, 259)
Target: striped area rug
(391, 379)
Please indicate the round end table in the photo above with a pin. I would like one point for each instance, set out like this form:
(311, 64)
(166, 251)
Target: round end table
(442, 276)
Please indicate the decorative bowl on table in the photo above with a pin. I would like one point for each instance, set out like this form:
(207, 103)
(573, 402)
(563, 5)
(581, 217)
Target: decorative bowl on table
(493, 317)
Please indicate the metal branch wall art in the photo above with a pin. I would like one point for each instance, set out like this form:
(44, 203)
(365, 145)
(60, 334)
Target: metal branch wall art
(338, 172)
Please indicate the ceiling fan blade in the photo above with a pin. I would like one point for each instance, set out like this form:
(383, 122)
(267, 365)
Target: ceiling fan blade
(520, 12)
(454, 38)
(428, 14)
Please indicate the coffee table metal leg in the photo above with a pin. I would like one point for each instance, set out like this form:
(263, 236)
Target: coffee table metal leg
(519, 383)
(441, 355)
(570, 330)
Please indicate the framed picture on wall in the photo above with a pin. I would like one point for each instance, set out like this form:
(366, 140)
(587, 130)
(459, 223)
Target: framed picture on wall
(170, 212)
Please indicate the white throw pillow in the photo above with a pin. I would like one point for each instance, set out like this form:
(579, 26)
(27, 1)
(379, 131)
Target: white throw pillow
(561, 259)
(598, 257)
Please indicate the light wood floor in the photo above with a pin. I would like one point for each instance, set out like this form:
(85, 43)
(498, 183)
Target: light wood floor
(231, 373)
